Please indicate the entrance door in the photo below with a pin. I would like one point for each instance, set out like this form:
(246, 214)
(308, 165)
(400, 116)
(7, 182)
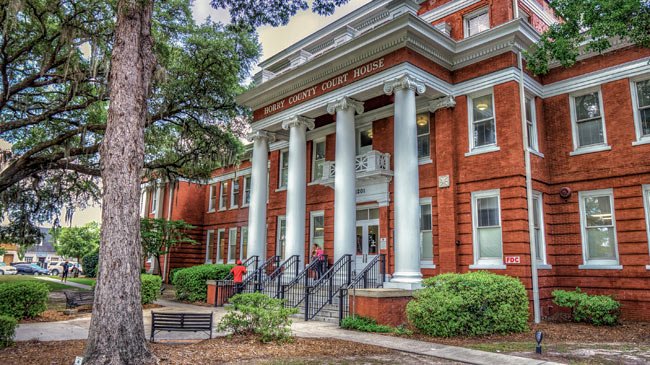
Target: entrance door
(367, 237)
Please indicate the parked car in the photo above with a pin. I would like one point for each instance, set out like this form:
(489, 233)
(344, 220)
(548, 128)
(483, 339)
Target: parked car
(56, 267)
(7, 269)
(30, 269)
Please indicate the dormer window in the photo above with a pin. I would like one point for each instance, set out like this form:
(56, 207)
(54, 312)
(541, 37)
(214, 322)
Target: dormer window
(477, 22)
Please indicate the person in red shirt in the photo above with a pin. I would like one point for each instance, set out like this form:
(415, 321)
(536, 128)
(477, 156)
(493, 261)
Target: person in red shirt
(238, 276)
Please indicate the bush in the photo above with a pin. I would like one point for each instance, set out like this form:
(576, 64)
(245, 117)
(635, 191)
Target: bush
(190, 282)
(90, 263)
(7, 330)
(173, 272)
(365, 324)
(471, 304)
(258, 314)
(150, 289)
(596, 309)
(23, 299)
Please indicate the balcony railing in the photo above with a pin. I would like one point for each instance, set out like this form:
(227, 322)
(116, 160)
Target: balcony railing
(370, 164)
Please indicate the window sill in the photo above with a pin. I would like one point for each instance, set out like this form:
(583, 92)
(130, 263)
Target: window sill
(536, 153)
(280, 189)
(487, 267)
(427, 265)
(600, 267)
(313, 183)
(642, 141)
(244, 205)
(233, 207)
(211, 211)
(480, 151)
(544, 267)
(209, 262)
(222, 210)
(582, 151)
(425, 161)
(647, 267)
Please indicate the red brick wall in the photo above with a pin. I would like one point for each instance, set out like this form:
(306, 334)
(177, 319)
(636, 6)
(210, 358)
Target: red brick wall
(387, 311)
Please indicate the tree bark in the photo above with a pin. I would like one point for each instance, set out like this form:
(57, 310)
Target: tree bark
(116, 329)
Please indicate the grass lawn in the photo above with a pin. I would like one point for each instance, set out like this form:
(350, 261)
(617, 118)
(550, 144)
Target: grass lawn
(22, 278)
(85, 281)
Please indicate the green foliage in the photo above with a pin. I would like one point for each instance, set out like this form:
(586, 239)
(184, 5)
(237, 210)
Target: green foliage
(190, 282)
(90, 263)
(158, 236)
(592, 23)
(256, 313)
(173, 272)
(596, 309)
(471, 304)
(150, 288)
(365, 324)
(23, 299)
(7, 330)
(77, 242)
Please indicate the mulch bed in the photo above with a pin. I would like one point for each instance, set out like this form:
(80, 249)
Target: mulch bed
(215, 351)
(52, 315)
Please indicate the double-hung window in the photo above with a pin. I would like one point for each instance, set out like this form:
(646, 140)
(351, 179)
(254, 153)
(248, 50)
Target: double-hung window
(641, 101)
(318, 160)
(209, 242)
(281, 238)
(247, 191)
(219, 245)
(212, 204)
(364, 140)
(646, 204)
(232, 245)
(531, 124)
(599, 248)
(234, 194)
(317, 228)
(154, 201)
(424, 133)
(482, 124)
(486, 222)
(223, 195)
(588, 123)
(243, 245)
(143, 203)
(538, 227)
(284, 169)
(426, 234)
(477, 22)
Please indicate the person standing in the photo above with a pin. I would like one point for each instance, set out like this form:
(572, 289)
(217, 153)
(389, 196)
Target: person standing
(64, 271)
(238, 276)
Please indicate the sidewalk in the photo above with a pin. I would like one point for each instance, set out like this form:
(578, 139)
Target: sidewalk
(77, 329)
(68, 283)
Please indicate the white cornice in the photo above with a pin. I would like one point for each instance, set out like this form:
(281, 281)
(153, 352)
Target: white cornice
(536, 8)
(447, 9)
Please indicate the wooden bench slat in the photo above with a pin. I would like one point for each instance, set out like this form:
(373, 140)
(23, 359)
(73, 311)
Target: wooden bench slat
(180, 322)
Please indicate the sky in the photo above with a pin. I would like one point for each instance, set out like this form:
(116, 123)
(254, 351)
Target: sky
(273, 40)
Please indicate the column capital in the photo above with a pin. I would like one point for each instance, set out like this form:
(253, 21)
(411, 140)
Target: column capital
(270, 137)
(442, 102)
(298, 121)
(343, 104)
(404, 82)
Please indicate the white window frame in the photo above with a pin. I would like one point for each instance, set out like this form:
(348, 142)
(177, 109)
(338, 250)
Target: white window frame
(534, 146)
(426, 264)
(604, 146)
(143, 203)
(313, 156)
(222, 201)
(277, 235)
(209, 237)
(312, 215)
(212, 202)
(247, 187)
(232, 244)
(220, 233)
(282, 185)
(646, 205)
(154, 201)
(597, 264)
(489, 263)
(472, 15)
(244, 235)
(427, 158)
(473, 150)
(543, 263)
(640, 138)
(233, 201)
(357, 138)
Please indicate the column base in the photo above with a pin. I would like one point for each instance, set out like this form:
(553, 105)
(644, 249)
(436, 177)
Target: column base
(405, 280)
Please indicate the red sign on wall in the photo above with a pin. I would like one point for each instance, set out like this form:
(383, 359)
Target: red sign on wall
(513, 260)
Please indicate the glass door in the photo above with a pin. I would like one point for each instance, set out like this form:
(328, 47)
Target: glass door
(367, 240)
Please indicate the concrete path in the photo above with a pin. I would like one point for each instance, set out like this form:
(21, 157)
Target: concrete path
(68, 283)
(77, 329)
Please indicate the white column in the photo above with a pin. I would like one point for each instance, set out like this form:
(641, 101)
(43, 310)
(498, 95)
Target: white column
(257, 205)
(345, 176)
(297, 185)
(406, 184)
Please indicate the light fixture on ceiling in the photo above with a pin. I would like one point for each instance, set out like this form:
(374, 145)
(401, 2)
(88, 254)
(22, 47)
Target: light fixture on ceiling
(422, 120)
(482, 105)
(369, 133)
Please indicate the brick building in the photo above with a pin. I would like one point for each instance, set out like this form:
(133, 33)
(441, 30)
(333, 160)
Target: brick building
(408, 128)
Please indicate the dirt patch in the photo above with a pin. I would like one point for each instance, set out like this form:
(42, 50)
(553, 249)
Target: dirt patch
(222, 350)
(55, 316)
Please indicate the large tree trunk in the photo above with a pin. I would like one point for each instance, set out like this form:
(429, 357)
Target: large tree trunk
(117, 329)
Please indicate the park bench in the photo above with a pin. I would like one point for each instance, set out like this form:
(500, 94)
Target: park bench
(180, 322)
(78, 297)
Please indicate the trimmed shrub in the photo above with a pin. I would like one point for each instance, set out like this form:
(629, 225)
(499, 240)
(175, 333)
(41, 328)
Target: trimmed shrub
(7, 330)
(256, 313)
(23, 299)
(595, 309)
(90, 263)
(471, 304)
(150, 288)
(173, 272)
(365, 324)
(190, 282)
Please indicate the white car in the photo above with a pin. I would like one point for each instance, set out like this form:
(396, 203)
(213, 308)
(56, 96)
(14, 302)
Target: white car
(7, 269)
(56, 267)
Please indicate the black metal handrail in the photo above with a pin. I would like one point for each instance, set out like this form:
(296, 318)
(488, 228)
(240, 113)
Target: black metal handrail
(252, 283)
(318, 295)
(226, 288)
(372, 276)
(251, 261)
(293, 292)
(272, 284)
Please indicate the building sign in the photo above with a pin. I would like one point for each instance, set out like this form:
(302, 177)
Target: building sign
(326, 86)
(513, 260)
